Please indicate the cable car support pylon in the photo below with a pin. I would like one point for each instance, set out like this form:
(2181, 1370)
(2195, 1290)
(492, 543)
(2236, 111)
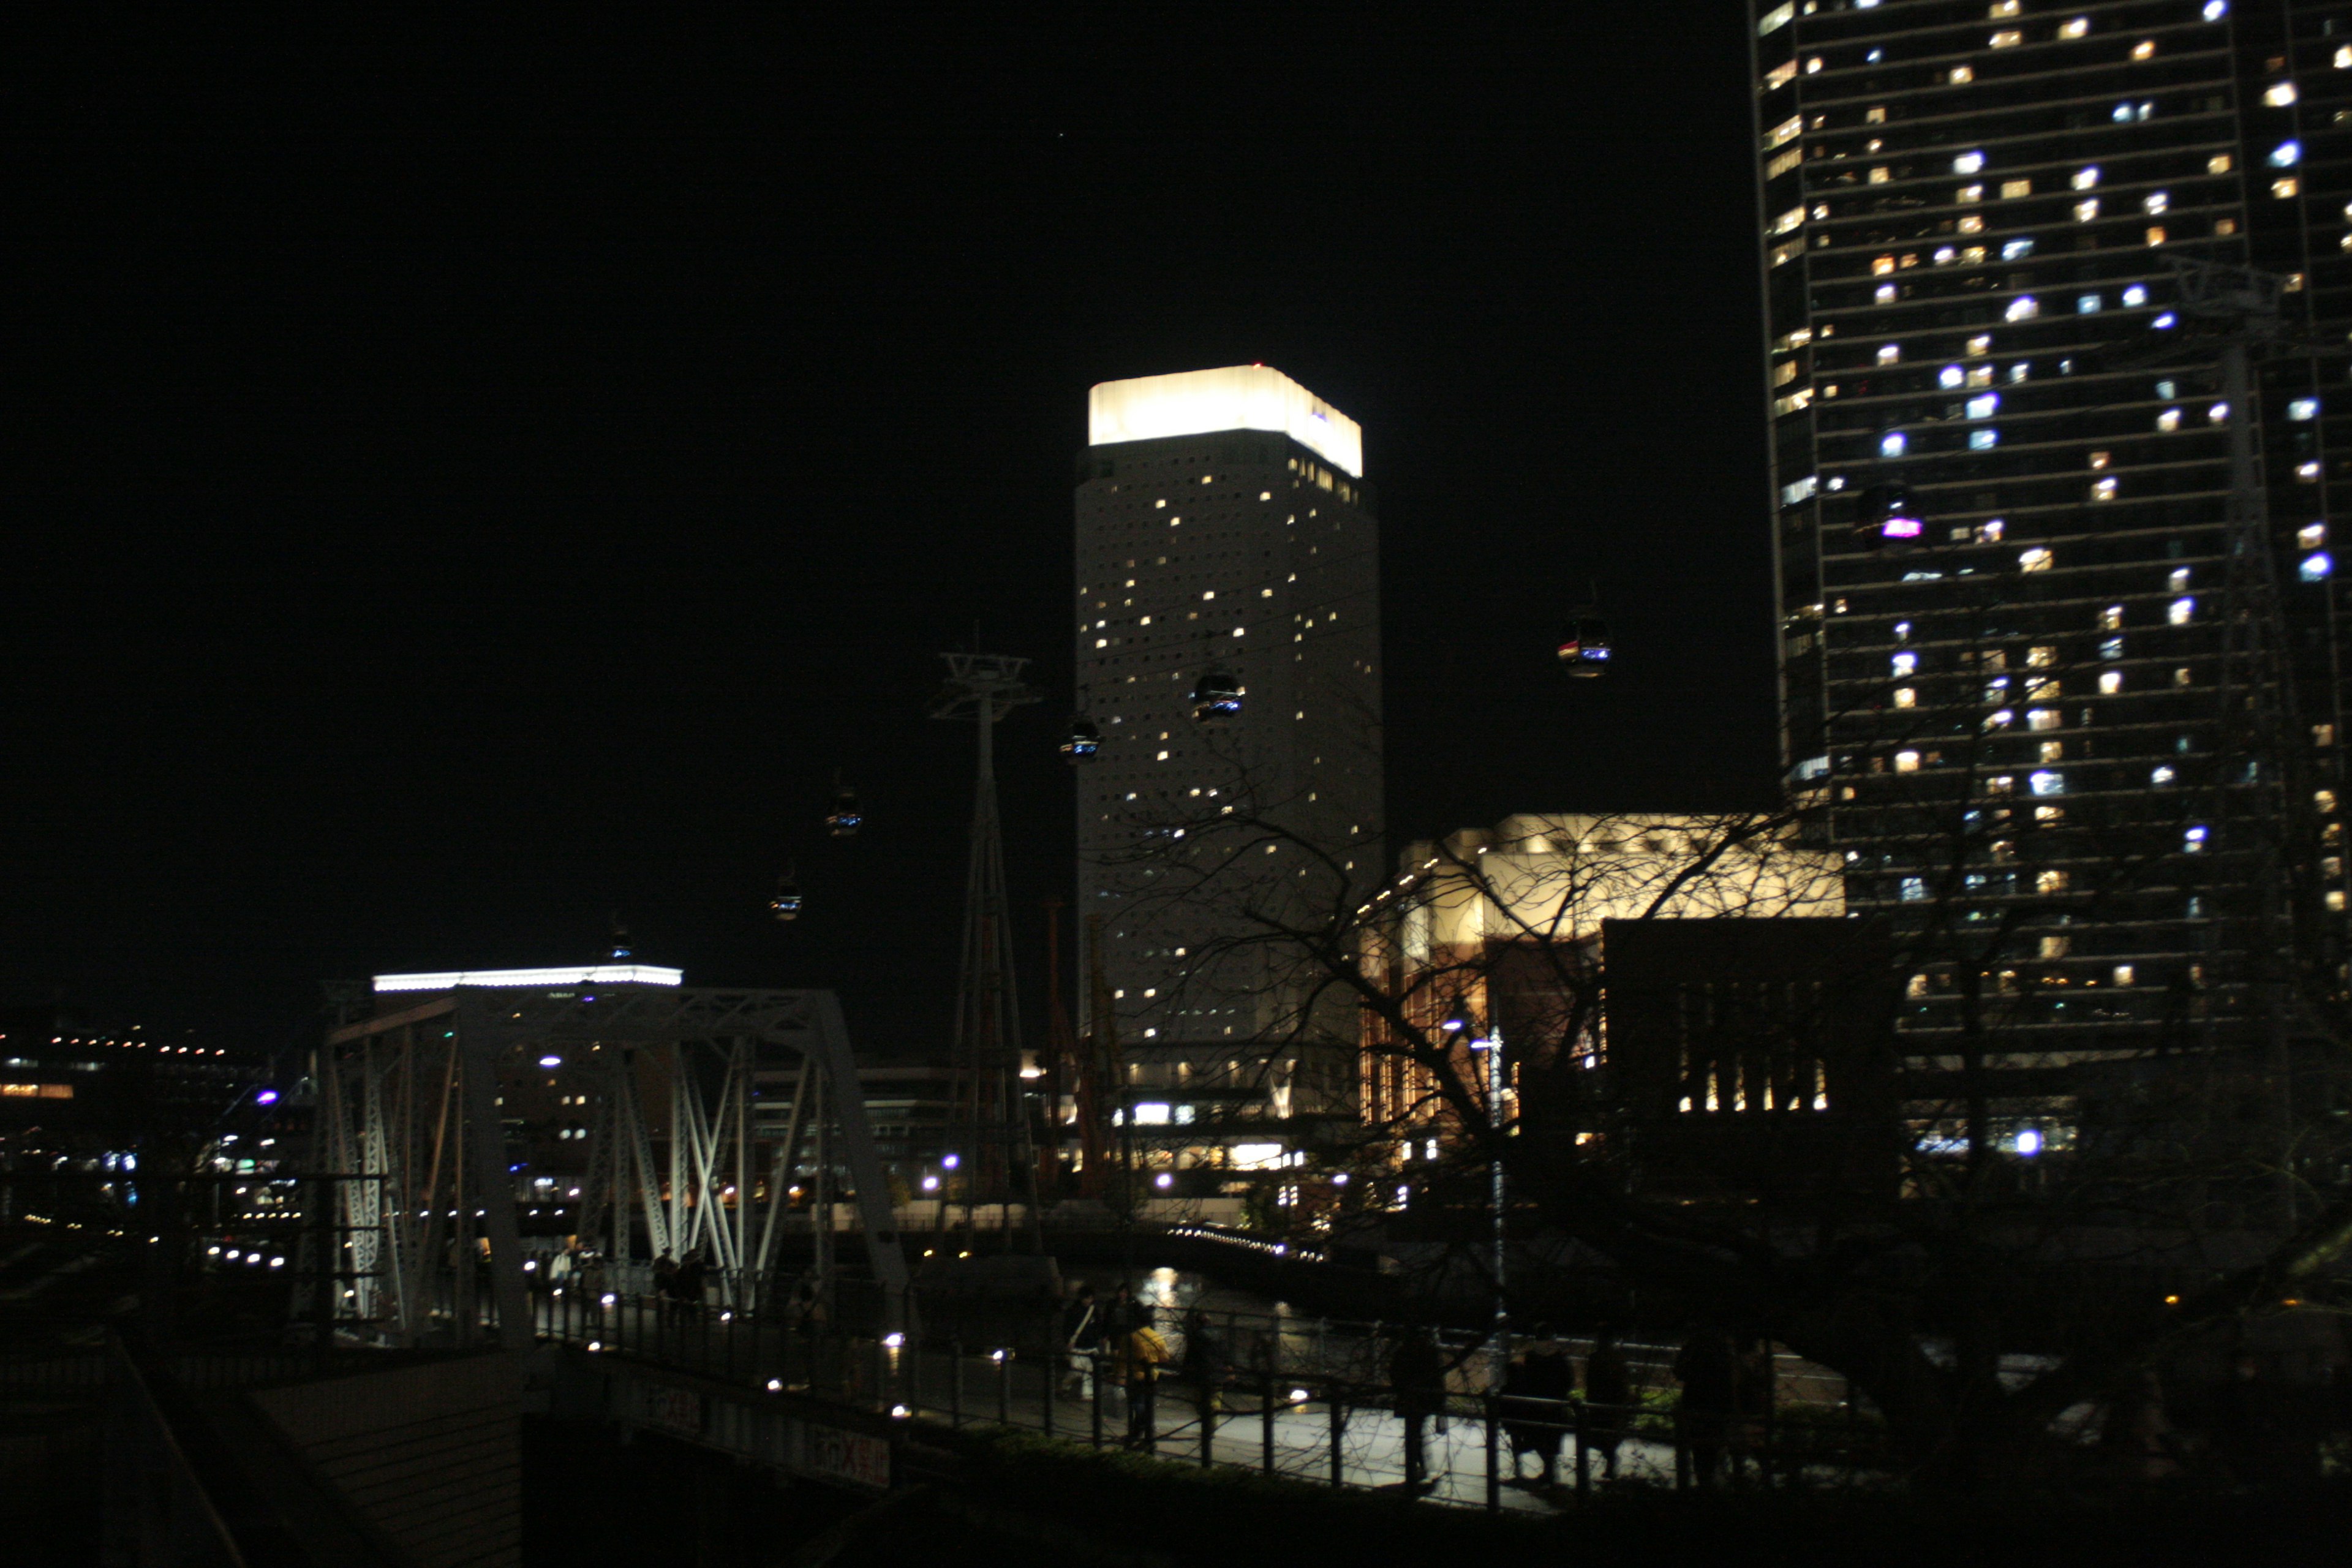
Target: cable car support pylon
(989, 1132)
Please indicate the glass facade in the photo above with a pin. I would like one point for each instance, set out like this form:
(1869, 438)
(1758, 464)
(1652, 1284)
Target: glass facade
(2073, 744)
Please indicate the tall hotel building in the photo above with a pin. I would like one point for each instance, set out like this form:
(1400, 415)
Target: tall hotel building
(1223, 524)
(2077, 749)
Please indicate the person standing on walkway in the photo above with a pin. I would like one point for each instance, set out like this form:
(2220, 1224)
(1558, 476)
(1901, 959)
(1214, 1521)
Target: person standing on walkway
(1608, 1399)
(1751, 1401)
(664, 1286)
(1082, 1338)
(1417, 1382)
(809, 1308)
(1709, 1376)
(2139, 1432)
(1536, 1389)
(1145, 1354)
(1204, 1361)
(688, 1282)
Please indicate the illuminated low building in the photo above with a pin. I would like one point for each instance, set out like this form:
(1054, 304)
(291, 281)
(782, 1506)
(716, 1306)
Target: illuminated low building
(1502, 933)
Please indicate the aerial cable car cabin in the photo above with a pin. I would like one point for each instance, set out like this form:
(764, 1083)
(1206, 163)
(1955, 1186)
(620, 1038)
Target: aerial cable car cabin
(845, 818)
(786, 904)
(1584, 651)
(1888, 519)
(1217, 695)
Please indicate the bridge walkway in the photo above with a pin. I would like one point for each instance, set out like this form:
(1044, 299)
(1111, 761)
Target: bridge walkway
(1322, 1413)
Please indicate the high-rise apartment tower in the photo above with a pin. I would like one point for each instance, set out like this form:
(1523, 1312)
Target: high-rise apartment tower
(2059, 615)
(1223, 525)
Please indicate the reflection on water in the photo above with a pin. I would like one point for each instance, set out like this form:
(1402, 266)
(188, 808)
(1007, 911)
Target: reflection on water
(1249, 1330)
(1175, 1292)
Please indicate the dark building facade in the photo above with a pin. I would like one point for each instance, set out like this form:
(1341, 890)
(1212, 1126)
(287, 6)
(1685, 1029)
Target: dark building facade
(2060, 664)
(1755, 1057)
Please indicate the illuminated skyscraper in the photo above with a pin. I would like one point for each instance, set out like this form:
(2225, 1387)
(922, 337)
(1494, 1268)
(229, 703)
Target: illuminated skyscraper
(1224, 528)
(2080, 747)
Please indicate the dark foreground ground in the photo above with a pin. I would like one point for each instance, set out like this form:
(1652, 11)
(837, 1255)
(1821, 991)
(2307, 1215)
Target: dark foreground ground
(594, 1500)
(592, 1497)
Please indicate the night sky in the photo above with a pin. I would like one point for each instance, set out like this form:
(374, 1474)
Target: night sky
(468, 483)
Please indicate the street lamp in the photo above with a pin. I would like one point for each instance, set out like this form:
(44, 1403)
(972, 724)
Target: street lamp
(1459, 1020)
(1491, 1043)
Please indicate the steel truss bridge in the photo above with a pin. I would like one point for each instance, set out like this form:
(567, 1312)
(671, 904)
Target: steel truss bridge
(410, 1138)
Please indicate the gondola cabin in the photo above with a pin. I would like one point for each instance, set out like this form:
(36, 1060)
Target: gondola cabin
(1584, 651)
(1889, 518)
(844, 819)
(1217, 696)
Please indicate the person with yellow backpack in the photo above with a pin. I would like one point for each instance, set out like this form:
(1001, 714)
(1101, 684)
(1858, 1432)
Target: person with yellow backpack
(1141, 1356)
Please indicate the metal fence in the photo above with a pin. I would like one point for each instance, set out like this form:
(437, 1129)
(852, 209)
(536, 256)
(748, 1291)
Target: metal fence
(1307, 1398)
(159, 1505)
(72, 1372)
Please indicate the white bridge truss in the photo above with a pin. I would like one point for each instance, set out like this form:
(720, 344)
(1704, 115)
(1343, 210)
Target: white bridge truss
(410, 1104)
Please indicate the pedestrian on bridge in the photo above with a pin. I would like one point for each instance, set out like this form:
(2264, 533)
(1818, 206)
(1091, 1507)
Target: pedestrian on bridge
(1143, 1353)
(1204, 1361)
(565, 1266)
(1081, 1340)
(1417, 1382)
(664, 1286)
(1535, 1388)
(1608, 1399)
(688, 1282)
(1709, 1370)
(1751, 1404)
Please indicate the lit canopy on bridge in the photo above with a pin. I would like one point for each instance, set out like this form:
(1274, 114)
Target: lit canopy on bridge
(586, 974)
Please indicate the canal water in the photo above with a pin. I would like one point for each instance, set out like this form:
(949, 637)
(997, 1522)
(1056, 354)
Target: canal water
(1311, 1345)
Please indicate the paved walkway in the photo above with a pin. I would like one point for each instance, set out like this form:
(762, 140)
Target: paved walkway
(1368, 1441)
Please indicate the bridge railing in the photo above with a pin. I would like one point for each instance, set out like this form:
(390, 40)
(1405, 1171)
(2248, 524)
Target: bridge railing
(1309, 1398)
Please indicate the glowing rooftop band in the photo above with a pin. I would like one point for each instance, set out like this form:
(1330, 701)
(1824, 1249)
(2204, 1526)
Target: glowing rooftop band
(592, 975)
(1238, 397)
